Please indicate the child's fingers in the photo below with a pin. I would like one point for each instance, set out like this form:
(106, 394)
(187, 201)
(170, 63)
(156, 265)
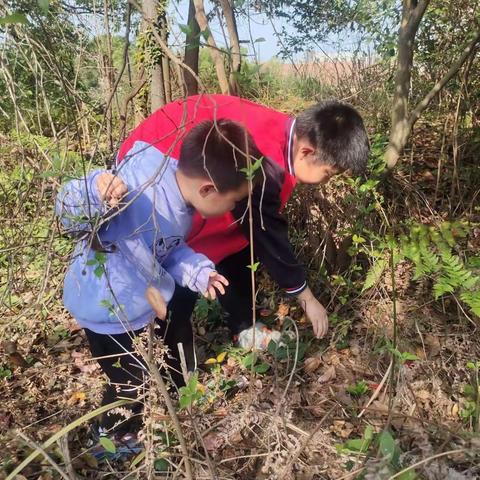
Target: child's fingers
(207, 294)
(111, 188)
(222, 279)
(322, 329)
(157, 302)
(219, 287)
(219, 278)
(211, 294)
(119, 189)
(102, 184)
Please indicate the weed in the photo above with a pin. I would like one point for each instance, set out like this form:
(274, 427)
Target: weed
(358, 389)
(471, 409)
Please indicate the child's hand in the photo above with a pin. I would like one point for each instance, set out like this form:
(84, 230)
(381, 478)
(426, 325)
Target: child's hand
(315, 312)
(157, 302)
(215, 282)
(111, 188)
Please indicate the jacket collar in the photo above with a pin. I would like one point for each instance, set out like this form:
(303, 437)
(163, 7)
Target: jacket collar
(290, 128)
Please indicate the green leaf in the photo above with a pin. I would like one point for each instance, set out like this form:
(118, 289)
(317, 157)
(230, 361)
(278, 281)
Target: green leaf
(387, 444)
(359, 389)
(409, 356)
(100, 257)
(44, 5)
(107, 444)
(359, 445)
(185, 401)
(192, 383)
(472, 299)
(374, 274)
(368, 433)
(49, 173)
(262, 368)
(16, 17)
(254, 266)
(186, 29)
(5, 373)
(138, 459)
(249, 360)
(161, 465)
(408, 475)
(99, 271)
(358, 239)
(106, 304)
(206, 34)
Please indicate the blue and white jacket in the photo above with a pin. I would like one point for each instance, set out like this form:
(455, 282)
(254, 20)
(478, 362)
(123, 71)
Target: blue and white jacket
(144, 241)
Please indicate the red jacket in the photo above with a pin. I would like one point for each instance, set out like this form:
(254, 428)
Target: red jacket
(223, 236)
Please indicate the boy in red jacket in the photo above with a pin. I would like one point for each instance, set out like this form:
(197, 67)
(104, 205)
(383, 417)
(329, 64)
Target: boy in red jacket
(324, 140)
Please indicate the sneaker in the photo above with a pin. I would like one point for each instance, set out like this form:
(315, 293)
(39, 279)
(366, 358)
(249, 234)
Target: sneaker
(263, 336)
(123, 446)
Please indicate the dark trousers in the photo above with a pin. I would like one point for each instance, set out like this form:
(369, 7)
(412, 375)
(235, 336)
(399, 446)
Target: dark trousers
(125, 372)
(237, 301)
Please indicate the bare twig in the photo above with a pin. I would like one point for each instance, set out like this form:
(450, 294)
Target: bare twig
(153, 368)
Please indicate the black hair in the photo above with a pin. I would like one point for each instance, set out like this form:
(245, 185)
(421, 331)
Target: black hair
(217, 150)
(337, 133)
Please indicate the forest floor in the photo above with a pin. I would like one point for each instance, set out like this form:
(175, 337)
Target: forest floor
(343, 407)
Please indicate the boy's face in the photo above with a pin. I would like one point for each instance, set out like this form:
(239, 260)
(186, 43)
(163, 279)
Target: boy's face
(209, 202)
(306, 166)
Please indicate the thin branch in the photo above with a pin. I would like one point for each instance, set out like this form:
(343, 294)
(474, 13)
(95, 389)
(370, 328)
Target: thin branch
(423, 104)
(171, 409)
(426, 460)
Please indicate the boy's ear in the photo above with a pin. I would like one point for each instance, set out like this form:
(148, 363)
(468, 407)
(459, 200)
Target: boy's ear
(206, 189)
(306, 151)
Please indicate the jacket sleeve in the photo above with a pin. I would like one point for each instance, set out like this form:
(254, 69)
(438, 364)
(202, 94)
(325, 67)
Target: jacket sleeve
(78, 203)
(189, 268)
(270, 232)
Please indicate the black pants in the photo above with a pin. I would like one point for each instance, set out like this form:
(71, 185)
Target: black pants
(125, 372)
(237, 301)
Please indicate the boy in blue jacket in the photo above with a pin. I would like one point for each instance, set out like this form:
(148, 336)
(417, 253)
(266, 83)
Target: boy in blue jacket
(131, 227)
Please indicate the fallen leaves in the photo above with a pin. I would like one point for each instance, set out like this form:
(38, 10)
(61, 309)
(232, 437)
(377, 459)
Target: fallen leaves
(342, 428)
(14, 357)
(219, 359)
(80, 361)
(311, 364)
(433, 344)
(213, 441)
(283, 310)
(76, 397)
(328, 375)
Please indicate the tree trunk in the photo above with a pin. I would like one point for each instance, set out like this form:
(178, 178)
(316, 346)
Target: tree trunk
(163, 26)
(402, 122)
(108, 76)
(412, 13)
(235, 58)
(157, 87)
(214, 51)
(192, 50)
(157, 92)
